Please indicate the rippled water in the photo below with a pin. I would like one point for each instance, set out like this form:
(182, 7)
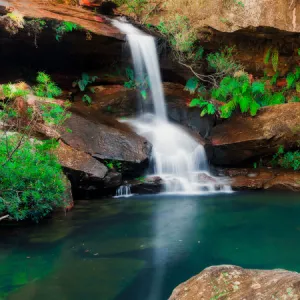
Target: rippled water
(140, 248)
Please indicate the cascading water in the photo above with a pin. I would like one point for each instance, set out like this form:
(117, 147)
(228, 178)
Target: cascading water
(178, 158)
(124, 191)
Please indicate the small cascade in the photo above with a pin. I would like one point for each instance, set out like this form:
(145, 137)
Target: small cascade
(123, 191)
(177, 157)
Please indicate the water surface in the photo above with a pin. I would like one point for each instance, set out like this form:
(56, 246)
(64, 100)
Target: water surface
(140, 248)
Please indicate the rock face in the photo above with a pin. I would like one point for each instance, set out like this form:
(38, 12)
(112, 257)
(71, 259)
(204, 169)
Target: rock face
(235, 283)
(267, 179)
(107, 141)
(49, 10)
(243, 137)
(76, 160)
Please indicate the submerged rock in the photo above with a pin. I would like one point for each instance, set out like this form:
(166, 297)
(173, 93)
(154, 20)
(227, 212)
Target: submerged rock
(242, 137)
(236, 283)
(267, 179)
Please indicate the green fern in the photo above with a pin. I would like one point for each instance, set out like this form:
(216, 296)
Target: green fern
(46, 87)
(207, 107)
(258, 87)
(267, 56)
(191, 85)
(290, 79)
(275, 59)
(254, 107)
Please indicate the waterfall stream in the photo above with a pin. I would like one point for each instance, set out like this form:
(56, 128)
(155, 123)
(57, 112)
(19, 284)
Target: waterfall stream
(177, 157)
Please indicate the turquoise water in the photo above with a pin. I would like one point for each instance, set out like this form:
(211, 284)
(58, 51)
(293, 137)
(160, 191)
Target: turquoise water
(141, 248)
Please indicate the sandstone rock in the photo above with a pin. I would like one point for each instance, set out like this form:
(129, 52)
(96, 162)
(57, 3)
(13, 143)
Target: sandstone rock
(76, 160)
(47, 10)
(243, 137)
(236, 283)
(146, 185)
(107, 139)
(268, 179)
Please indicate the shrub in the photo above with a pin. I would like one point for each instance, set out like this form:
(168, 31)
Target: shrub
(239, 92)
(46, 87)
(32, 182)
(223, 62)
(287, 160)
(64, 28)
(140, 83)
(207, 107)
(179, 32)
(83, 83)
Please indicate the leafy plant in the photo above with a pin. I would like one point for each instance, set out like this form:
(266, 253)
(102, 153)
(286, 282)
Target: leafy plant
(83, 83)
(273, 54)
(287, 160)
(54, 114)
(64, 28)
(223, 61)
(207, 107)
(180, 33)
(46, 87)
(113, 164)
(32, 182)
(11, 91)
(140, 83)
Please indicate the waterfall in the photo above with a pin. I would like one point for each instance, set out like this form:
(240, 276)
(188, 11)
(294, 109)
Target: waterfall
(123, 191)
(177, 157)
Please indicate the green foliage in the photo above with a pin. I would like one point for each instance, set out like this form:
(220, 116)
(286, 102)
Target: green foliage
(239, 92)
(180, 34)
(207, 107)
(113, 165)
(54, 114)
(87, 99)
(223, 62)
(140, 83)
(136, 7)
(11, 91)
(46, 87)
(275, 59)
(32, 183)
(85, 81)
(273, 54)
(267, 56)
(64, 28)
(287, 160)
(192, 85)
(295, 99)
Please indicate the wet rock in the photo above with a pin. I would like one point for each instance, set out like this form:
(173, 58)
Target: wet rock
(108, 140)
(146, 185)
(267, 179)
(179, 111)
(236, 283)
(242, 137)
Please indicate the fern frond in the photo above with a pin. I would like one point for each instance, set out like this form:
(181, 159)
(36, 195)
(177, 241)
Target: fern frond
(275, 59)
(267, 56)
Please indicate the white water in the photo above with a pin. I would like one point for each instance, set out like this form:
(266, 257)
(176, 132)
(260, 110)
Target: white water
(123, 191)
(178, 158)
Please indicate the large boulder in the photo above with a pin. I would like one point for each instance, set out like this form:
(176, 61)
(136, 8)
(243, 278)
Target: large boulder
(236, 283)
(107, 140)
(242, 137)
(259, 179)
